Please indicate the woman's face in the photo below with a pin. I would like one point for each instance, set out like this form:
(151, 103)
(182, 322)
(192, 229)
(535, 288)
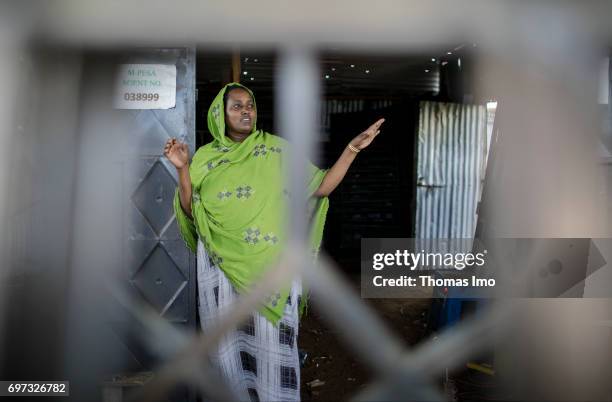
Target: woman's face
(240, 113)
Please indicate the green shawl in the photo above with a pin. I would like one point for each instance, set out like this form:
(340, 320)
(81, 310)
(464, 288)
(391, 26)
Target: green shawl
(239, 203)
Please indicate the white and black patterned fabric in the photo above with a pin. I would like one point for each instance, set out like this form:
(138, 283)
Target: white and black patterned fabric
(258, 360)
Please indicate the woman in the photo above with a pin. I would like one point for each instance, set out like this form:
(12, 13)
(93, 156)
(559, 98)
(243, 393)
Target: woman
(228, 206)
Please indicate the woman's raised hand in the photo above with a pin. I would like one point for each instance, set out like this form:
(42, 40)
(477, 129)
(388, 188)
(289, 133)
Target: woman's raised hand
(364, 139)
(177, 152)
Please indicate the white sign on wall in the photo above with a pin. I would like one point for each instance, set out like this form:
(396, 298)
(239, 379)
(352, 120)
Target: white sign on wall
(145, 86)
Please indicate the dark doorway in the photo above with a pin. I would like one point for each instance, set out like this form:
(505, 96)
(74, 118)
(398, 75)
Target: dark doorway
(376, 197)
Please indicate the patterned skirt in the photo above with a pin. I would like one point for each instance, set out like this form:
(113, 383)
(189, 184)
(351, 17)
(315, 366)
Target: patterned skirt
(259, 361)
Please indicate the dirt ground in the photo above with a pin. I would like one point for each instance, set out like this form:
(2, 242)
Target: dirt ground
(338, 370)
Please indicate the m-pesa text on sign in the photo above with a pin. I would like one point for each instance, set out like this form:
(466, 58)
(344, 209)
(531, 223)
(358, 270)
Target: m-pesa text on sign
(145, 86)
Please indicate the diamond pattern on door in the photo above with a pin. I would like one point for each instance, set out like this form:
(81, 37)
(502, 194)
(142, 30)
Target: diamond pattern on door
(142, 239)
(159, 279)
(154, 196)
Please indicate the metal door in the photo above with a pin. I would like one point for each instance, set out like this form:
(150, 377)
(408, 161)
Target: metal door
(450, 168)
(159, 266)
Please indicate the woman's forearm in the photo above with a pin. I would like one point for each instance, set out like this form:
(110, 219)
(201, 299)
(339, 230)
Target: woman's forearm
(335, 175)
(185, 189)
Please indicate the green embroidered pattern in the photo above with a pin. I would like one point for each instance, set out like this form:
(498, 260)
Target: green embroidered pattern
(271, 238)
(221, 148)
(252, 235)
(244, 192)
(224, 194)
(216, 111)
(260, 149)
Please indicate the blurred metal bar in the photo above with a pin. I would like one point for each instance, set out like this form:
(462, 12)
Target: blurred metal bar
(297, 101)
(168, 342)
(352, 24)
(343, 309)
(41, 154)
(11, 80)
(448, 350)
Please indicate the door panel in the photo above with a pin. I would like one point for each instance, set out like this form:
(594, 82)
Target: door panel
(158, 266)
(451, 155)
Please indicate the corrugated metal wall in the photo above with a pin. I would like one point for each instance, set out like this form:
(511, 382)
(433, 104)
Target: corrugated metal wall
(451, 156)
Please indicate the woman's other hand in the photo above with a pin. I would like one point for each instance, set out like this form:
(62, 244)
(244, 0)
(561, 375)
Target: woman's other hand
(364, 139)
(177, 153)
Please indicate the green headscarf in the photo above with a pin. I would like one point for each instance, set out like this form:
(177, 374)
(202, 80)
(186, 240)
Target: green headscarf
(239, 203)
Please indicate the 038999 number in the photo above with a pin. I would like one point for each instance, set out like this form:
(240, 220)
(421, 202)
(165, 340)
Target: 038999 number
(140, 96)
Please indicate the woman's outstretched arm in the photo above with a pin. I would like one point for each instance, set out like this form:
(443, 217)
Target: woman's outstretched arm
(337, 172)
